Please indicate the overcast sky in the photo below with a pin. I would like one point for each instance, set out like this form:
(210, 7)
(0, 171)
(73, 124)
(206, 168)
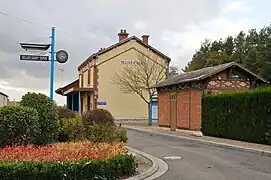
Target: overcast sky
(176, 28)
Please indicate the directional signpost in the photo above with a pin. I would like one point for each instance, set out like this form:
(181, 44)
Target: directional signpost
(61, 57)
(34, 58)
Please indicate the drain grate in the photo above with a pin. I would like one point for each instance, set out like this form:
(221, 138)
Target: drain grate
(172, 157)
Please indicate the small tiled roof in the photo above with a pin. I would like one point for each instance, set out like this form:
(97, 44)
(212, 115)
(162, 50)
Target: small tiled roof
(120, 43)
(201, 74)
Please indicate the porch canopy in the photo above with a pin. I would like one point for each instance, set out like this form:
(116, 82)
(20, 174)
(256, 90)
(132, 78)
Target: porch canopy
(73, 93)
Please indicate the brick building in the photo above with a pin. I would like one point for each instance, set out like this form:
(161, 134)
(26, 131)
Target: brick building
(179, 96)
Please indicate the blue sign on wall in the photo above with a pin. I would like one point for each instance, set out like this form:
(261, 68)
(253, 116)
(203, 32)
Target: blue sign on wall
(102, 103)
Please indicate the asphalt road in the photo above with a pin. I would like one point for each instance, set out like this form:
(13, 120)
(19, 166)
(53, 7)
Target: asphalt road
(201, 162)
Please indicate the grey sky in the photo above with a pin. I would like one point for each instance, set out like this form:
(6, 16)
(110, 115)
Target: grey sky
(83, 27)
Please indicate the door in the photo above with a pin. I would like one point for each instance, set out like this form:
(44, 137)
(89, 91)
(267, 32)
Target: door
(173, 111)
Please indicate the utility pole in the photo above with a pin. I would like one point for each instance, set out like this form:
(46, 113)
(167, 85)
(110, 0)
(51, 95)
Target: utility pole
(52, 70)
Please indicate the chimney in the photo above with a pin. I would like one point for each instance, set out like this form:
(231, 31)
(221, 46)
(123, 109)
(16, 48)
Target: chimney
(145, 39)
(122, 34)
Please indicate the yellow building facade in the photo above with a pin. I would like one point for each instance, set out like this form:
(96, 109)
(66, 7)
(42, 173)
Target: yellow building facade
(94, 87)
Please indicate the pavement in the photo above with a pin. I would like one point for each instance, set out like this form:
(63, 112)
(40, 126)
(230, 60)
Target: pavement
(157, 168)
(192, 135)
(199, 161)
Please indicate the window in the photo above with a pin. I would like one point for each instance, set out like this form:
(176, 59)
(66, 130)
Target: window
(89, 77)
(82, 80)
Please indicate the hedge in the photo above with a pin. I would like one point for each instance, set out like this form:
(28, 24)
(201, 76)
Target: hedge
(244, 116)
(18, 125)
(114, 168)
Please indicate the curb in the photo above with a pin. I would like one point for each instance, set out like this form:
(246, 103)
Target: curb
(216, 144)
(159, 167)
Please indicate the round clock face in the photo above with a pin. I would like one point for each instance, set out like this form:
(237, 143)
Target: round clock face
(62, 56)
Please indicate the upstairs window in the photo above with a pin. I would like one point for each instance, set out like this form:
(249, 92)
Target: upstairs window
(89, 77)
(82, 80)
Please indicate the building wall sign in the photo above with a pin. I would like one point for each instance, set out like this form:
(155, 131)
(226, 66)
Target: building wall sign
(130, 62)
(102, 103)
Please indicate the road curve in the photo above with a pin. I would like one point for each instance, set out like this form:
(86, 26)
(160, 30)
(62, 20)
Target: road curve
(201, 162)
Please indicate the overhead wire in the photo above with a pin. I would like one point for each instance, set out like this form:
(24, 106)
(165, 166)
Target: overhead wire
(45, 26)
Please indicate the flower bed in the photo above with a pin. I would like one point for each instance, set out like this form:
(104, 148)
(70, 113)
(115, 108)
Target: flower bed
(62, 151)
(72, 160)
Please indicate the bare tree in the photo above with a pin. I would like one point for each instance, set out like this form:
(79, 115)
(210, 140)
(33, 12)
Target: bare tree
(173, 70)
(139, 76)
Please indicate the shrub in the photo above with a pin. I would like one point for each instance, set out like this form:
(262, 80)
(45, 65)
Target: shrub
(106, 133)
(47, 115)
(64, 112)
(242, 116)
(18, 125)
(98, 116)
(67, 151)
(113, 168)
(71, 129)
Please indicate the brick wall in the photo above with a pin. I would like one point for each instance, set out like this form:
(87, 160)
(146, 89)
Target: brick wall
(238, 84)
(183, 109)
(188, 109)
(195, 108)
(226, 83)
(163, 109)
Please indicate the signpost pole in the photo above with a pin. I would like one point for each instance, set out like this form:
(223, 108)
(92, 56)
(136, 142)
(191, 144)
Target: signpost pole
(52, 70)
(150, 112)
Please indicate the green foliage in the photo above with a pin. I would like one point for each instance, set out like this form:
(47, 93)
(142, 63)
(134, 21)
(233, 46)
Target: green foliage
(64, 112)
(48, 117)
(106, 133)
(242, 116)
(97, 116)
(113, 168)
(251, 49)
(18, 125)
(71, 129)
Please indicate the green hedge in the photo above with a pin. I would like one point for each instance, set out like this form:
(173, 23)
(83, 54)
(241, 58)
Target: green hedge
(242, 116)
(18, 125)
(114, 168)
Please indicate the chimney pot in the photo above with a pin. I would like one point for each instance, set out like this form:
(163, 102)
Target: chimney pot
(145, 39)
(122, 34)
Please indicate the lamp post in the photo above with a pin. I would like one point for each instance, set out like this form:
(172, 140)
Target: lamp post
(61, 57)
(52, 69)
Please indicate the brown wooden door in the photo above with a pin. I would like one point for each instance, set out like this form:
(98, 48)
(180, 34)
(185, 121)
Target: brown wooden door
(173, 111)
